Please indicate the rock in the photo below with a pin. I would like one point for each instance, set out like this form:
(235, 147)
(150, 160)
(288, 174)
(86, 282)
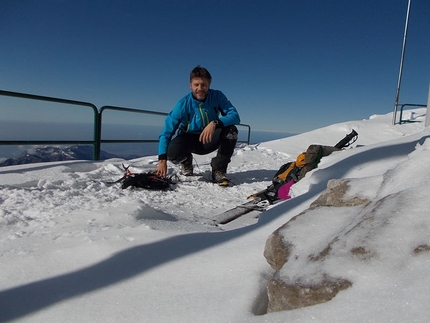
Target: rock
(276, 251)
(283, 296)
(335, 195)
(279, 249)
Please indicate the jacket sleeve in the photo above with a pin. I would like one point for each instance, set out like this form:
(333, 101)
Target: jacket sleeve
(171, 124)
(229, 114)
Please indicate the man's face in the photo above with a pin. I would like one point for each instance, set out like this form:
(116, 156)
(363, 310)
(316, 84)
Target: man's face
(200, 87)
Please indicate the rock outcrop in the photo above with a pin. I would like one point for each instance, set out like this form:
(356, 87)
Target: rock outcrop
(314, 285)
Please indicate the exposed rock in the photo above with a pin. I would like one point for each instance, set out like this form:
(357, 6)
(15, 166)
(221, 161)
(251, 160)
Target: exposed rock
(283, 296)
(277, 250)
(307, 250)
(422, 248)
(335, 195)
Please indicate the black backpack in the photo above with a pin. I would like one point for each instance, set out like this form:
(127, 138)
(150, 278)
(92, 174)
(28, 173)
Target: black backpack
(148, 181)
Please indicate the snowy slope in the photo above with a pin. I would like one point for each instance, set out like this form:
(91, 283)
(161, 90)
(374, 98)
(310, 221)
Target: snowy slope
(76, 249)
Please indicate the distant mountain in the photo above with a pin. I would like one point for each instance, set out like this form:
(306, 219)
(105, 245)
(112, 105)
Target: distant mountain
(49, 154)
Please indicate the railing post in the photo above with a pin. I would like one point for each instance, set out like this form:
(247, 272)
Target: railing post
(97, 135)
(401, 113)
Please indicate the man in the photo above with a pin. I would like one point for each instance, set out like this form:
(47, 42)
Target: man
(204, 121)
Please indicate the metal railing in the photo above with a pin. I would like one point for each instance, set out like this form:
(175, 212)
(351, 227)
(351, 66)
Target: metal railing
(96, 139)
(402, 106)
(97, 124)
(121, 109)
(117, 141)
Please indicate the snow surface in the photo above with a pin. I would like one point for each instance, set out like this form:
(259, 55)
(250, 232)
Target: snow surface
(75, 249)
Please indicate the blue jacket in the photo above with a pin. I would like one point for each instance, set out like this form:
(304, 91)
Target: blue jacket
(192, 116)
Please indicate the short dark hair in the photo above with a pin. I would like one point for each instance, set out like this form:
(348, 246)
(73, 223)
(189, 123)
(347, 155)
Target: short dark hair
(199, 71)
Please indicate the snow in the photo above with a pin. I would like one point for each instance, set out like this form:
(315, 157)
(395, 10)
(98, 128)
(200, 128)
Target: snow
(76, 249)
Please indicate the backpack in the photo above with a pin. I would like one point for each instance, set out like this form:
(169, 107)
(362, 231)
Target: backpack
(290, 173)
(295, 171)
(148, 181)
(286, 173)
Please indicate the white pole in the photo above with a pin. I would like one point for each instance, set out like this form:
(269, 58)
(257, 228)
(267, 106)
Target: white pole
(427, 111)
(399, 81)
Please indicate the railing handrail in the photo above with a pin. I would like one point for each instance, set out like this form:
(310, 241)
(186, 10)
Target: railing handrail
(47, 98)
(97, 123)
(58, 100)
(111, 107)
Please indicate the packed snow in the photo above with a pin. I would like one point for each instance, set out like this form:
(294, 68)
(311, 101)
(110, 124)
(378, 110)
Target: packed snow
(75, 248)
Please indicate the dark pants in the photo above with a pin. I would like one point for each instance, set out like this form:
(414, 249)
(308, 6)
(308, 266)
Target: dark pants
(224, 139)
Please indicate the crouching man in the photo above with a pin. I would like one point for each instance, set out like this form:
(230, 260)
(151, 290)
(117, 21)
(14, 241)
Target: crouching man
(204, 121)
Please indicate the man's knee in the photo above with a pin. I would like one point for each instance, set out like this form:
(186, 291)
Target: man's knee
(178, 149)
(231, 132)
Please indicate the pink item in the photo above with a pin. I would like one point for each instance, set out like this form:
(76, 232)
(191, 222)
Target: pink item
(284, 191)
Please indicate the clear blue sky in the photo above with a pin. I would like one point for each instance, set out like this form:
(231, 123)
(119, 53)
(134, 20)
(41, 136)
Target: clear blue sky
(279, 62)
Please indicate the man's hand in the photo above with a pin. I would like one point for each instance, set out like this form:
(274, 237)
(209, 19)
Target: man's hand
(207, 133)
(161, 168)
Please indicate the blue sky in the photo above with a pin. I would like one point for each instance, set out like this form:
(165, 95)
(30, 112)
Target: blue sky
(287, 65)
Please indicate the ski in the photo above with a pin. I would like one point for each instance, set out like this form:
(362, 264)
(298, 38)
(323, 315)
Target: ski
(256, 204)
(262, 200)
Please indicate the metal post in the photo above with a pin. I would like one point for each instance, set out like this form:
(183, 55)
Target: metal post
(427, 110)
(399, 81)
